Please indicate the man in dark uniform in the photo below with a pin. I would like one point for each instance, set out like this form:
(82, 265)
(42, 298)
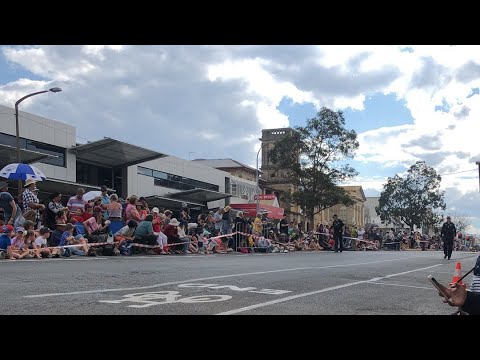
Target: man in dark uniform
(338, 226)
(448, 234)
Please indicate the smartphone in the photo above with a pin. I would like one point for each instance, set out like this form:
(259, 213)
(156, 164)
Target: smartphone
(439, 287)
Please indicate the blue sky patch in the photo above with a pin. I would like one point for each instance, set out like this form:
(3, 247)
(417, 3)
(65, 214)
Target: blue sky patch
(379, 111)
(10, 72)
(475, 91)
(445, 107)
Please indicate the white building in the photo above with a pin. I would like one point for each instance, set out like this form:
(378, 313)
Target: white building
(166, 181)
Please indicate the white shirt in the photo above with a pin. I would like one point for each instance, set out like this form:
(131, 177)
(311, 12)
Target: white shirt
(39, 241)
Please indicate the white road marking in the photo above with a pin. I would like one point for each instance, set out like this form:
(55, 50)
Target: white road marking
(212, 278)
(293, 297)
(409, 286)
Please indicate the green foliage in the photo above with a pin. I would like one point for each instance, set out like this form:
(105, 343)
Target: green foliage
(310, 159)
(412, 199)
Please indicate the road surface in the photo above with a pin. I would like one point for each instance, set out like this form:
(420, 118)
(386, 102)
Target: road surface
(364, 283)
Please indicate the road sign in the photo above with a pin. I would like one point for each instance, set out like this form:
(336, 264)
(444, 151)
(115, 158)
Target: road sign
(265, 197)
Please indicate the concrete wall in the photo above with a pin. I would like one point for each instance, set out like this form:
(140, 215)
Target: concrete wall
(34, 127)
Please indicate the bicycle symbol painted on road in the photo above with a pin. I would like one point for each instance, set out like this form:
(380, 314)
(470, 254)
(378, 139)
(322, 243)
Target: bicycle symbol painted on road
(165, 297)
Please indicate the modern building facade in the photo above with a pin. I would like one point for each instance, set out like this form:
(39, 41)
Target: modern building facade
(165, 180)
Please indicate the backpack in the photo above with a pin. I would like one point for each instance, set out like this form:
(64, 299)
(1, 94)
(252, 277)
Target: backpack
(48, 216)
(126, 248)
(107, 250)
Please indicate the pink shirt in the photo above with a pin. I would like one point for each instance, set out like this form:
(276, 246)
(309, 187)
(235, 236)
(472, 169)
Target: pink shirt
(128, 213)
(92, 224)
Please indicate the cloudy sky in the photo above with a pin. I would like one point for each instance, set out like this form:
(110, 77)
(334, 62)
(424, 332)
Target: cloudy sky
(407, 103)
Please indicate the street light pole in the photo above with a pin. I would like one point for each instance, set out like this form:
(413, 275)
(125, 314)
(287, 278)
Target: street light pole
(257, 176)
(17, 127)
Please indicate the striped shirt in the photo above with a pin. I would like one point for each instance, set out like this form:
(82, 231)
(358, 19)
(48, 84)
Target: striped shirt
(75, 203)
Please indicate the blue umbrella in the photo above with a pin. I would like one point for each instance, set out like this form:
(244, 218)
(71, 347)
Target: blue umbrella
(22, 172)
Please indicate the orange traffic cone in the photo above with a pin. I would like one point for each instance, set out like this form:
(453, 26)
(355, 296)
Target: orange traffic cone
(457, 275)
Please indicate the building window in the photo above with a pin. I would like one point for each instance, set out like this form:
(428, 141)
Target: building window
(175, 181)
(144, 171)
(50, 150)
(234, 189)
(39, 147)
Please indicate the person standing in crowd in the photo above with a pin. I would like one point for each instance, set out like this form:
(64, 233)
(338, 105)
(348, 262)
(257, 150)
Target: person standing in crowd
(218, 219)
(30, 200)
(284, 225)
(448, 234)
(53, 207)
(114, 209)
(105, 201)
(11, 210)
(338, 226)
(76, 202)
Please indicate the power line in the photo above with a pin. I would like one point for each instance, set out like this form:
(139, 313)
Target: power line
(458, 172)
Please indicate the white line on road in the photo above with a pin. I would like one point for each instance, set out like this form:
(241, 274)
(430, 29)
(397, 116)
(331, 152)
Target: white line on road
(212, 278)
(293, 297)
(409, 286)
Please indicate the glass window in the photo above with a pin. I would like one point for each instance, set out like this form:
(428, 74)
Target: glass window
(50, 150)
(234, 189)
(160, 174)
(144, 171)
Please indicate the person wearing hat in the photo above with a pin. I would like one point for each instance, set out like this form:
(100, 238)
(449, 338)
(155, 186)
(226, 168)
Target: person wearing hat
(448, 233)
(18, 250)
(30, 200)
(6, 232)
(157, 229)
(41, 243)
(11, 210)
(171, 230)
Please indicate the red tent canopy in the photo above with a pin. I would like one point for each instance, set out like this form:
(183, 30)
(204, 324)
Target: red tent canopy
(249, 210)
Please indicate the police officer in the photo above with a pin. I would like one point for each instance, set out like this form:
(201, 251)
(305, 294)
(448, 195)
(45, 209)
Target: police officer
(338, 226)
(448, 233)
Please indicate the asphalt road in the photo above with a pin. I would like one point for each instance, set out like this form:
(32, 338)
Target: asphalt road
(294, 283)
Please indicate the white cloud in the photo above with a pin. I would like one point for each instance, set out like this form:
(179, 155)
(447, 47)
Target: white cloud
(180, 99)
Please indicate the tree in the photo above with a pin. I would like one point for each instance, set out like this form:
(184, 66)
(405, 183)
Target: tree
(462, 223)
(413, 199)
(319, 147)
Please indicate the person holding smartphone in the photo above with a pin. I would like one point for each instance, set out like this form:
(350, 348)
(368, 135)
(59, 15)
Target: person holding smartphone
(458, 295)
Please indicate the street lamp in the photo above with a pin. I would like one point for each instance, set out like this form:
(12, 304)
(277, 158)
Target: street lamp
(19, 157)
(257, 176)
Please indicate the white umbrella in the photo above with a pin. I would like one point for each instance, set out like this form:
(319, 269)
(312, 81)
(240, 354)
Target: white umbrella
(91, 195)
(22, 172)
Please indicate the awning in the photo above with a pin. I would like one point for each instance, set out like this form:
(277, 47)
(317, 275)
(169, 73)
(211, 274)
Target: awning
(66, 188)
(111, 153)
(199, 195)
(167, 203)
(8, 155)
(49, 186)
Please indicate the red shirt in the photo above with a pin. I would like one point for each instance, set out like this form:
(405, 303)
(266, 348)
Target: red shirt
(76, 218)
(157, 224)
(86, 216)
